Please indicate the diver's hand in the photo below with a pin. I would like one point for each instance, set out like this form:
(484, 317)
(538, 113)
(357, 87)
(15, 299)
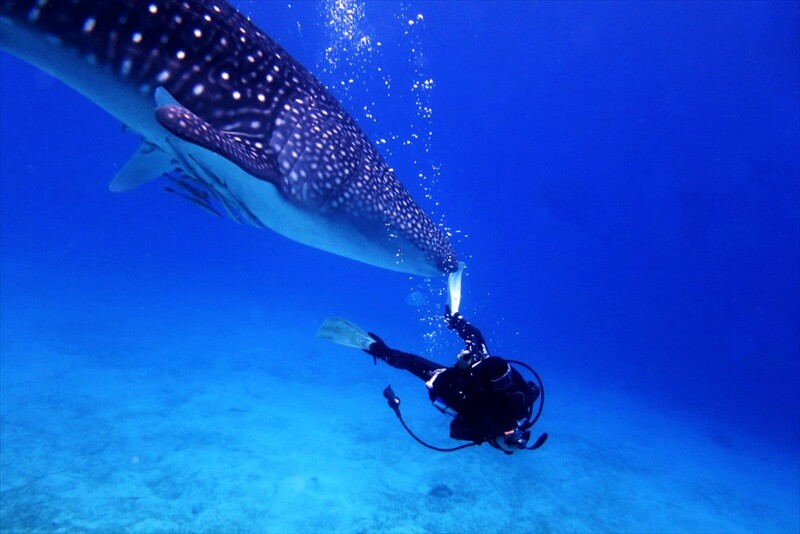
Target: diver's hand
(469, 333)
(376, 349)
(454, 321)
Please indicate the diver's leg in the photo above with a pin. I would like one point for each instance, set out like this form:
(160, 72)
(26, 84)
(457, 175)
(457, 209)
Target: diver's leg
(416, 365)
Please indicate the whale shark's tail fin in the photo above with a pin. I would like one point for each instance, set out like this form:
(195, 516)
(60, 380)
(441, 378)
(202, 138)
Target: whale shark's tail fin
(454, 288)
(345, 333)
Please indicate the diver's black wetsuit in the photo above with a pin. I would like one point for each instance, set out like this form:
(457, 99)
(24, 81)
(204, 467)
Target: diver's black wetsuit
(487, 395)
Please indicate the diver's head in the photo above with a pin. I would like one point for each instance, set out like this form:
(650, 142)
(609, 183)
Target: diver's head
(463, 359)
(493, 371)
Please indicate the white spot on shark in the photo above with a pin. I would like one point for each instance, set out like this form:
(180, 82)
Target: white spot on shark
(125, 68)
(89, 25)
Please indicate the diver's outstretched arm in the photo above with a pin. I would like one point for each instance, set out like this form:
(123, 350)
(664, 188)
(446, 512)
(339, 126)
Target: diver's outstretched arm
(469, 333)
(416, 365)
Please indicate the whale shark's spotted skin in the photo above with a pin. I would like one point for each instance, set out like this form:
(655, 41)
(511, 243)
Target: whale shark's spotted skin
(240, 95)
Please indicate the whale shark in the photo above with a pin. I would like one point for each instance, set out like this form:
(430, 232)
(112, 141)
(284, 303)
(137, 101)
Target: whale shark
(233, 121)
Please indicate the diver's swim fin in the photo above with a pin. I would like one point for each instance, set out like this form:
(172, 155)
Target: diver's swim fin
(454, 288)
(345, 333)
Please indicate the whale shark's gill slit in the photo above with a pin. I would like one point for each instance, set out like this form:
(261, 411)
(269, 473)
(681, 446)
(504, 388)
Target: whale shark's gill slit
(242, 134)
(287, 122)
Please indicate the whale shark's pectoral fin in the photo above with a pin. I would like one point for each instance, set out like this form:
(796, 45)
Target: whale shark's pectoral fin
(164, 98)
(253, 157)
(148, 163)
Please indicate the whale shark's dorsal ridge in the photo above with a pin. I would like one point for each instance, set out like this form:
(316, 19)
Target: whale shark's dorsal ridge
(235, 109)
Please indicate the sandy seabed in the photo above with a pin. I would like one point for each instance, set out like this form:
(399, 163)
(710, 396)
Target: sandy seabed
(104, 431)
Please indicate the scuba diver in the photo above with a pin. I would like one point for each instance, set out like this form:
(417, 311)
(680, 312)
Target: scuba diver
(488, 398)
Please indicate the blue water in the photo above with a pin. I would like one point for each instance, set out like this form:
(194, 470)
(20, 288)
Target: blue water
(623, 182)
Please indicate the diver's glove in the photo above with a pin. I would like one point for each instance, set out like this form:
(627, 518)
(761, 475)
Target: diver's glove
(470, 334)
(377, 349)
(455, 321)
